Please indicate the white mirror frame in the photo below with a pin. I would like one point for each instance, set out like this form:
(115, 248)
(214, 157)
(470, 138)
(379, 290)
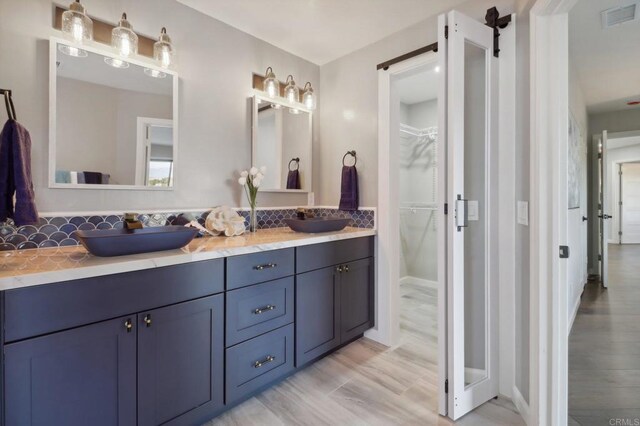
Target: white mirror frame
(261, 97)
(100, 49)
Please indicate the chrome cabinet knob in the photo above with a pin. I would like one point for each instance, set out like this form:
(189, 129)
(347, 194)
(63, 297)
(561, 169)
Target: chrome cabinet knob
(268, 359)
(147, 320)
(128, 325)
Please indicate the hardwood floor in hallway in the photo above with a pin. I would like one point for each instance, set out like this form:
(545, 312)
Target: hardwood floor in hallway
(366, 383)
(604, 346)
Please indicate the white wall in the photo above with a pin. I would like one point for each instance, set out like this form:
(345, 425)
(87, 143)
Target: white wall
(577, 229)
(215, 62)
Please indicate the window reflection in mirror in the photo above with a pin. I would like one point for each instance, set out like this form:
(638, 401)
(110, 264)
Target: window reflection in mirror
(282, 143)
(114, 126)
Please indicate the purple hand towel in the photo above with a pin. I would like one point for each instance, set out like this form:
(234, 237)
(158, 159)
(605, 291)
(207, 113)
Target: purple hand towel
(349, 189)
(15, 175)
(293, 179)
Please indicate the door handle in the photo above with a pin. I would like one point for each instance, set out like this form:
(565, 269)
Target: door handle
(268, 359)
(267, 308)
(584, 218)
(462, 214)
(604, 216)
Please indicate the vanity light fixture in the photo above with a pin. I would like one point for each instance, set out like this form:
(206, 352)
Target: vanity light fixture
(291, 91)
(124, 41)
(76, 26)
(271, 83)
(308, 97)
(163, 49)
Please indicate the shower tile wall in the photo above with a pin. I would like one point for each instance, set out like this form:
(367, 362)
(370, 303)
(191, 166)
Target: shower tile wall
(418, 186)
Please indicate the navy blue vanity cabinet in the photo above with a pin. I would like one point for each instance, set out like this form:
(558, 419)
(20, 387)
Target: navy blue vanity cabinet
(334, 295)
(83, 376)
(317, 313)
(356, 298)
(180, 362)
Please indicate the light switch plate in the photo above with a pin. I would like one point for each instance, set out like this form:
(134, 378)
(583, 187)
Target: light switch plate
(472, 210)
(523, 213)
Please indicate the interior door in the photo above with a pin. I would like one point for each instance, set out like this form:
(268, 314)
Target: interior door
(472, 228)
(630, 208)
(604, 216)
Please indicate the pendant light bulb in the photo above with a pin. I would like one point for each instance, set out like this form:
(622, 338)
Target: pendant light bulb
(271, 83)
(76, 25)
(291, 91)
(123, 39)
(163, 50)
(309, 97)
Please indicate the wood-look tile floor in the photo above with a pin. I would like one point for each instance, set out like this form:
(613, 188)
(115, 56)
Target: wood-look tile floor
(604, 346)
(366, 383)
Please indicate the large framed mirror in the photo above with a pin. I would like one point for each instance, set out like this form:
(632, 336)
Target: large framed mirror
(282, 141)
(113, 123)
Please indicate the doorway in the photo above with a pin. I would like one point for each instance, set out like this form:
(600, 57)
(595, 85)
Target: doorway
(460, 228)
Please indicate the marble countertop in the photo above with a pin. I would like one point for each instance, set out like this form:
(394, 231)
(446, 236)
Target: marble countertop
(25, 268)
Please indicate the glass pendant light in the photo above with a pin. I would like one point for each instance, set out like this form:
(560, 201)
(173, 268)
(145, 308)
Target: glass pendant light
(76, 26)
(123, 39)
(308, 97)
(163, 49)
(291, 91)
(271, 83)
(154, 73)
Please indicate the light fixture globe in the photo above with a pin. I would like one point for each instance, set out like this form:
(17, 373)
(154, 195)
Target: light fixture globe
(291, 91)
(163, 49)
(271, 84)
(123, 39)
(76, 25)
(308, 97)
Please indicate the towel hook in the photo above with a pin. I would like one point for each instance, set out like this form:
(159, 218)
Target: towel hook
(294, 160)
(8, 102)
(351, 153)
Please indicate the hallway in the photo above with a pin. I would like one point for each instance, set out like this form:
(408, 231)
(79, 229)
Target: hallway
(604, 345)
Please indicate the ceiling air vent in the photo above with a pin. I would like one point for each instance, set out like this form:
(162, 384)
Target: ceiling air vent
(619, 15)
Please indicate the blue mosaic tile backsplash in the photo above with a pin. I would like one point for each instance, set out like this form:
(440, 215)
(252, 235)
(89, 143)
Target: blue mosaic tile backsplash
(59, 231)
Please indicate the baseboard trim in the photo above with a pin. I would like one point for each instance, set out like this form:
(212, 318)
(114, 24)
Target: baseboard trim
(409, 278)
(574, 310)
(520, 403)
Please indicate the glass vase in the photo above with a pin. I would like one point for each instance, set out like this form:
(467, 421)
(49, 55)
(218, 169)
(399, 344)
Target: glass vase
(253, 220)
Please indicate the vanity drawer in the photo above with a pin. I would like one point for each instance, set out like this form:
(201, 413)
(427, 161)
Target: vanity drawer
(257, 309)
(317, 256)
(253, 364)
(259, 267)
(47, 308)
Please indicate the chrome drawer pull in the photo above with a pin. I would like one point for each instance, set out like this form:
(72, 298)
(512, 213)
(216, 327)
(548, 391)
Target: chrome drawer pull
(267, 360)
(265, 266)
(267, 308)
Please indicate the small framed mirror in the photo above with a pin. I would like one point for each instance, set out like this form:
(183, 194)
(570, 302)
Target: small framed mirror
(282, 141)
(113, 122)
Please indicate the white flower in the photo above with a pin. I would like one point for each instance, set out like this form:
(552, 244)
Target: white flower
(244, 173)
(253, 171)
(257, 182)
(242, 181)
(263, 169)
(259, 176)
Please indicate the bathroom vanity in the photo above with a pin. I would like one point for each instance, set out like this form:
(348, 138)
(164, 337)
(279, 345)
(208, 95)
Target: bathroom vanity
(179, 344)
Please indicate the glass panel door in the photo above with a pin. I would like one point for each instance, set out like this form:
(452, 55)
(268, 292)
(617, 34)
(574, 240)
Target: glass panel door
(472, 131)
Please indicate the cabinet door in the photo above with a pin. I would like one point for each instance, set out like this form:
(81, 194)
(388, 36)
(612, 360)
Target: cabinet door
(317, 314)
(180, 362)
(83, 376)
(356, 298)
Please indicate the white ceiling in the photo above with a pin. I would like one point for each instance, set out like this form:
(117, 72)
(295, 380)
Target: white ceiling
(321, 30)
(607, 61)
(418, 87)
